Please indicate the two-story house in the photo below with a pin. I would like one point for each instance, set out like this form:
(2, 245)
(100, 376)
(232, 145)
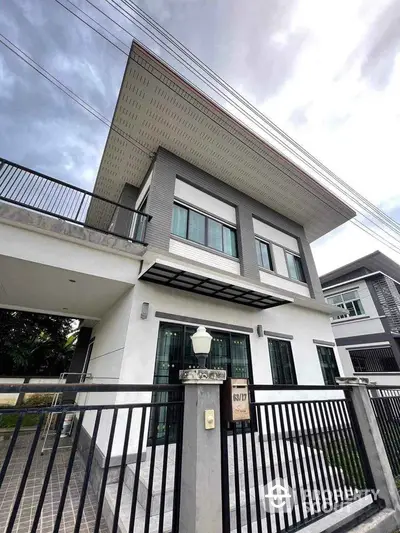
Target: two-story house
(220, 236)
(368, 338)
(228, 242)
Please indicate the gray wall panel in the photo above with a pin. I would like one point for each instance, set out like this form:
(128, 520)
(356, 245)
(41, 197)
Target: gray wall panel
(161, 195)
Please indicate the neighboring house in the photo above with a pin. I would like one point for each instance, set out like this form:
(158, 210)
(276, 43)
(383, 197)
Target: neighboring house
(227, 246)
(368, 338)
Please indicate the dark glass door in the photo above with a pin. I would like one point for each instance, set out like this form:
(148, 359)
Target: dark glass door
(229, 351)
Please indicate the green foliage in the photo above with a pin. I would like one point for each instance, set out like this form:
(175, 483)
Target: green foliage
(34, 344)
(9, 421)
(38, 400)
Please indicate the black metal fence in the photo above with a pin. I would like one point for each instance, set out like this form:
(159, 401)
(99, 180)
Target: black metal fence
(296, 462)
(27, 188)
(97, 474)
(386, 405)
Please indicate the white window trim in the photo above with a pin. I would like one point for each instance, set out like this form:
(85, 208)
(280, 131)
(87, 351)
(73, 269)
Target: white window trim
(347, 317)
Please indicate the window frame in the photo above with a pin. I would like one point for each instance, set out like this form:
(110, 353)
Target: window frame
(207, 217)
(348, 316)
(328, 379)
(298, 256)
(279, 361)
(271, 259)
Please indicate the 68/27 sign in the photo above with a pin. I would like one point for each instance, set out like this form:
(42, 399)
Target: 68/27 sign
(236, 392)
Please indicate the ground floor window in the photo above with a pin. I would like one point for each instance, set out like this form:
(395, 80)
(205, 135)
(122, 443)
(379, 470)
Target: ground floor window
(282, 363)
(229, 351)
(374, 360)
(328, 363)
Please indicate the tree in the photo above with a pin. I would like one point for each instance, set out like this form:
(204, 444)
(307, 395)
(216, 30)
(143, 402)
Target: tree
(35, 344)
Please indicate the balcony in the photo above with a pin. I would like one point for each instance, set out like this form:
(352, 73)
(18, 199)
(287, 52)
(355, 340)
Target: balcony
(35, 191)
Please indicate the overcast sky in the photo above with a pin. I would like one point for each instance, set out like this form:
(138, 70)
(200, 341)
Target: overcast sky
(328, 73)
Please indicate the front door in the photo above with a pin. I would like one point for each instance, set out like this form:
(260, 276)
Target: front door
(229, 351)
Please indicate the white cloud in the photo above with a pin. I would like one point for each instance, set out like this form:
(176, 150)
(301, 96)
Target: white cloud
(337, 114)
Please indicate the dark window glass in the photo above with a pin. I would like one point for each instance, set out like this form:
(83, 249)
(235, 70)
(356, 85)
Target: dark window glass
(230, 242)
(295, 267)
(229, 351)
(328, 363)
(374, 360)
(179, 221)
(282, 364)
(215, 234)
(264, 254)
(197, 227)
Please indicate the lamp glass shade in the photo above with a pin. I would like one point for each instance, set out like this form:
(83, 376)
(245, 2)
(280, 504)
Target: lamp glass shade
(201, 341)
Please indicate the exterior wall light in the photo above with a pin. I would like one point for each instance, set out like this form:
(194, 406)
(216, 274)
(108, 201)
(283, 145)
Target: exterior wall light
(201, 341)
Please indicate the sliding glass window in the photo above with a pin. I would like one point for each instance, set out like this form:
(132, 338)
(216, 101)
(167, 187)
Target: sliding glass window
(199, 228)
(264, 256)
(295, 267)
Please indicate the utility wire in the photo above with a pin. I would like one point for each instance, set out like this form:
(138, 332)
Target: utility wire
(151, 21)
(150, 34)
(342, 186)
(359, 224)
(365, 228)
(66, 90)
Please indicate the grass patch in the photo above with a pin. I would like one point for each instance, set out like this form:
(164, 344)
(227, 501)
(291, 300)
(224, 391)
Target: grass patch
(9, 421)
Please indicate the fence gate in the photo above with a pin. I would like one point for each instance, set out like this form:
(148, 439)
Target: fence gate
(296, 462)
(96, 474)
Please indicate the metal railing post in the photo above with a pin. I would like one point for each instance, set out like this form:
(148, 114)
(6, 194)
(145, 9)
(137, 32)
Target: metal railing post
(373, 445)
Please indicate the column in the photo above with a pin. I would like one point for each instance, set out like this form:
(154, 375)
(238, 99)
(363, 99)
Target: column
(201, 497)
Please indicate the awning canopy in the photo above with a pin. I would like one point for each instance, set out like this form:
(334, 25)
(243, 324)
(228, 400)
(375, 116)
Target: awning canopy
(187, 279)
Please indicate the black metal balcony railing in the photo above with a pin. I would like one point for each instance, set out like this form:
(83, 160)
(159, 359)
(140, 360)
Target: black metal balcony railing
(27, 188)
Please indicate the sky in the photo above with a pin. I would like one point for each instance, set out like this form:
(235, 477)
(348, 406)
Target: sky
(327, 73)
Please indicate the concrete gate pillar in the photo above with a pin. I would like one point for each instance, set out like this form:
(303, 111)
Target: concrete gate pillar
(201, 497)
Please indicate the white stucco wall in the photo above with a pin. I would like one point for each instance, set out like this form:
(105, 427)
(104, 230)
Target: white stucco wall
(44, 249)
(305, 325)
(126, 344)
(105, 366)
(282, 283)
(202, 256)
(355, 327)
(349, 327)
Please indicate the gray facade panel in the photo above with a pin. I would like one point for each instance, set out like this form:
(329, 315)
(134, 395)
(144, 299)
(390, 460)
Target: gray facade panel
(202, 322)
(161, 196)
(364, 339)
(123, 217)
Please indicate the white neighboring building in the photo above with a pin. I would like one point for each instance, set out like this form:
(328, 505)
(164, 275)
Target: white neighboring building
(227, 246)
(368, 339)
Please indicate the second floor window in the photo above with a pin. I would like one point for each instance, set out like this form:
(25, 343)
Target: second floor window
(295, 267)
(282, 364)
(348, 300)
(328, 363)
(199, 228)
(264, 256)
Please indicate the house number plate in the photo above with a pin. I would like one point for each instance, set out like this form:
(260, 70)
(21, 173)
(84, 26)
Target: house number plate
(240, 400)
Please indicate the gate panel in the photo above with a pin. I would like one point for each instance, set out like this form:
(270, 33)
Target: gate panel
(306, 461)
(95, 474)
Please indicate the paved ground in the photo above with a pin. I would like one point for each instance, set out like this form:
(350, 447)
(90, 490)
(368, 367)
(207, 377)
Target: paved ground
(33, 487)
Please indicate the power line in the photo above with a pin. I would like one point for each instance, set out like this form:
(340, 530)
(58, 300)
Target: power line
(359, 224)
(151, 21)
(66, 90)
(150, 34)
(77, 98)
